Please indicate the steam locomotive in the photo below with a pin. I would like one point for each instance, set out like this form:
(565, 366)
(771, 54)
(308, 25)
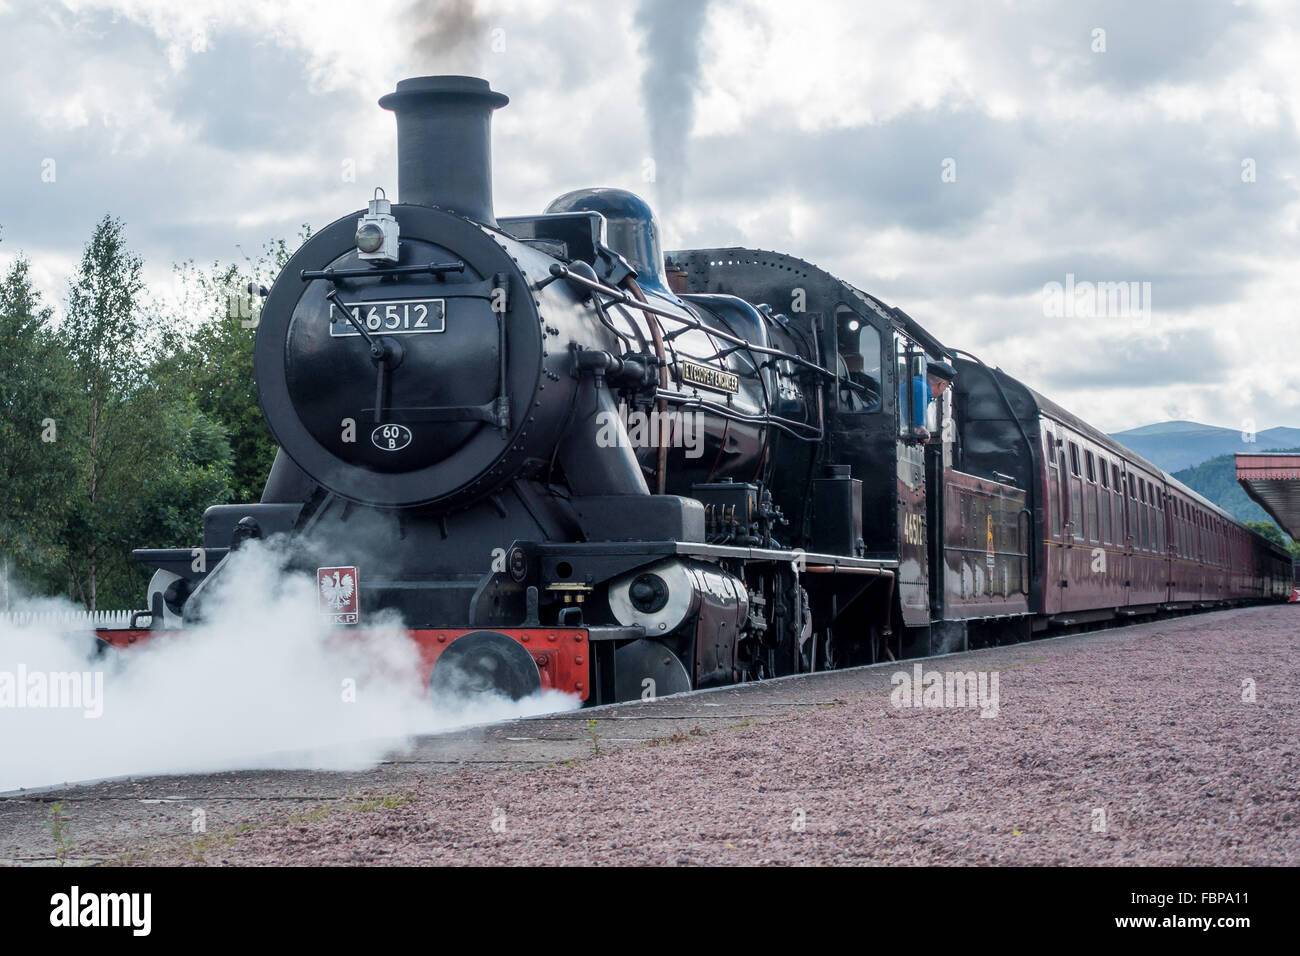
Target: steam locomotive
(571, 460)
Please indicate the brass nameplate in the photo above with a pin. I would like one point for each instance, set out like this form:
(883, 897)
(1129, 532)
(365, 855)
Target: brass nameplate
(706, 376)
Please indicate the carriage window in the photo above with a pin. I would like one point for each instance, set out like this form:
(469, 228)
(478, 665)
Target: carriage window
(1054, 502)
(859, 364)
(1103, 509)
(1117, 509)
(1143, 520)
(1115, 475)
(1076, 493)
(1104, 500)
(1090, 499)
(1135, 511)
(1160, 520)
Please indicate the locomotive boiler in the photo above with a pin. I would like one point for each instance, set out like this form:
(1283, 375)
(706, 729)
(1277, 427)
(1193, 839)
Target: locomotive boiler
(568, 459)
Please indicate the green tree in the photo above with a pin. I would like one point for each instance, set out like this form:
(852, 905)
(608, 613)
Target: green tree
(104, 334)
(166, 507)
(146, 461)
(145, 415)
(35, 471)
(216, 363)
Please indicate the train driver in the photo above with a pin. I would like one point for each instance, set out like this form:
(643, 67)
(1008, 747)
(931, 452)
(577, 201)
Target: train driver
(938, 377)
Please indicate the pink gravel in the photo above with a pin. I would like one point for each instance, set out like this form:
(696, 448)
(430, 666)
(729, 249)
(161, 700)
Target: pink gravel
(1151, 728)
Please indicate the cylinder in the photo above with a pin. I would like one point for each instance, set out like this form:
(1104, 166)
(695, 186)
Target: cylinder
(444, 143)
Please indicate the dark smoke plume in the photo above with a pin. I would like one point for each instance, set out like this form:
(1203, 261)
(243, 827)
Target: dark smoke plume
(671, 31)
(449, 36)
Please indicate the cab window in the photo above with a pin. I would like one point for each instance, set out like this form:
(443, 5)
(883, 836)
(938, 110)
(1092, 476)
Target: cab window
(859, 363)
(913, 389)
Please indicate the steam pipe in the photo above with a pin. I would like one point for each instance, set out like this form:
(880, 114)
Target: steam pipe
(559, 271)
(657, 333)
(591, 467)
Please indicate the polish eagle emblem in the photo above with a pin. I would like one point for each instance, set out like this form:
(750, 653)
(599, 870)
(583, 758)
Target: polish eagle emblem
(337, 591)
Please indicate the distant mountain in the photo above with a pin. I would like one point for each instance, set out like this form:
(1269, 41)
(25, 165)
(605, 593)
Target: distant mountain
(1216, 479)
(1178, 445)
(1169, 428)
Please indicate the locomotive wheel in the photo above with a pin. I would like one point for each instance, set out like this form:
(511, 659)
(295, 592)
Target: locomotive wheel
(484, 664)
(643, 660)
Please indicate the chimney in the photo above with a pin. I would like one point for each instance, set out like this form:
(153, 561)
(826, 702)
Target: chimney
(444, 143)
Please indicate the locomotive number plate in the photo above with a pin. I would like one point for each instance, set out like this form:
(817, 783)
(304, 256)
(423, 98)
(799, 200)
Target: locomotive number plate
(391, 317)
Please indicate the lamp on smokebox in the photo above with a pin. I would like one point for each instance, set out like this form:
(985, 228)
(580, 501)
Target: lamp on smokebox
(377, 231)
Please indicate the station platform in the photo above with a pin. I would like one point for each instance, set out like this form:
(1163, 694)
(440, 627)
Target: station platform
(1130, 746)
(1272, 480)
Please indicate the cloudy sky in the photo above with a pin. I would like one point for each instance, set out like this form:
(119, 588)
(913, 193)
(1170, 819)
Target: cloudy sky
(953, 159)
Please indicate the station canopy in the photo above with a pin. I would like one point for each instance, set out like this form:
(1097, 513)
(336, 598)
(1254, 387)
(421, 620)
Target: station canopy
(1273, 480)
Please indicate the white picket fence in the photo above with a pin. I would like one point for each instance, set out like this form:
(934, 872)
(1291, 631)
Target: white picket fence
(69, 619)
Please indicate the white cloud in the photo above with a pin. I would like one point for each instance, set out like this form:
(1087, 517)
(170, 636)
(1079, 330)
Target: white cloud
(819, 128)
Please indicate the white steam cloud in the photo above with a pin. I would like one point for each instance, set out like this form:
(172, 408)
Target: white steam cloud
(261, 685)
(672, 33)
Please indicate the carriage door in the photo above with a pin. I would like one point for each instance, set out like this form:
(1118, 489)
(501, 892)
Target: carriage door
(1130, 525)
(1057, 514)
(1068, 518)
(911, 401)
